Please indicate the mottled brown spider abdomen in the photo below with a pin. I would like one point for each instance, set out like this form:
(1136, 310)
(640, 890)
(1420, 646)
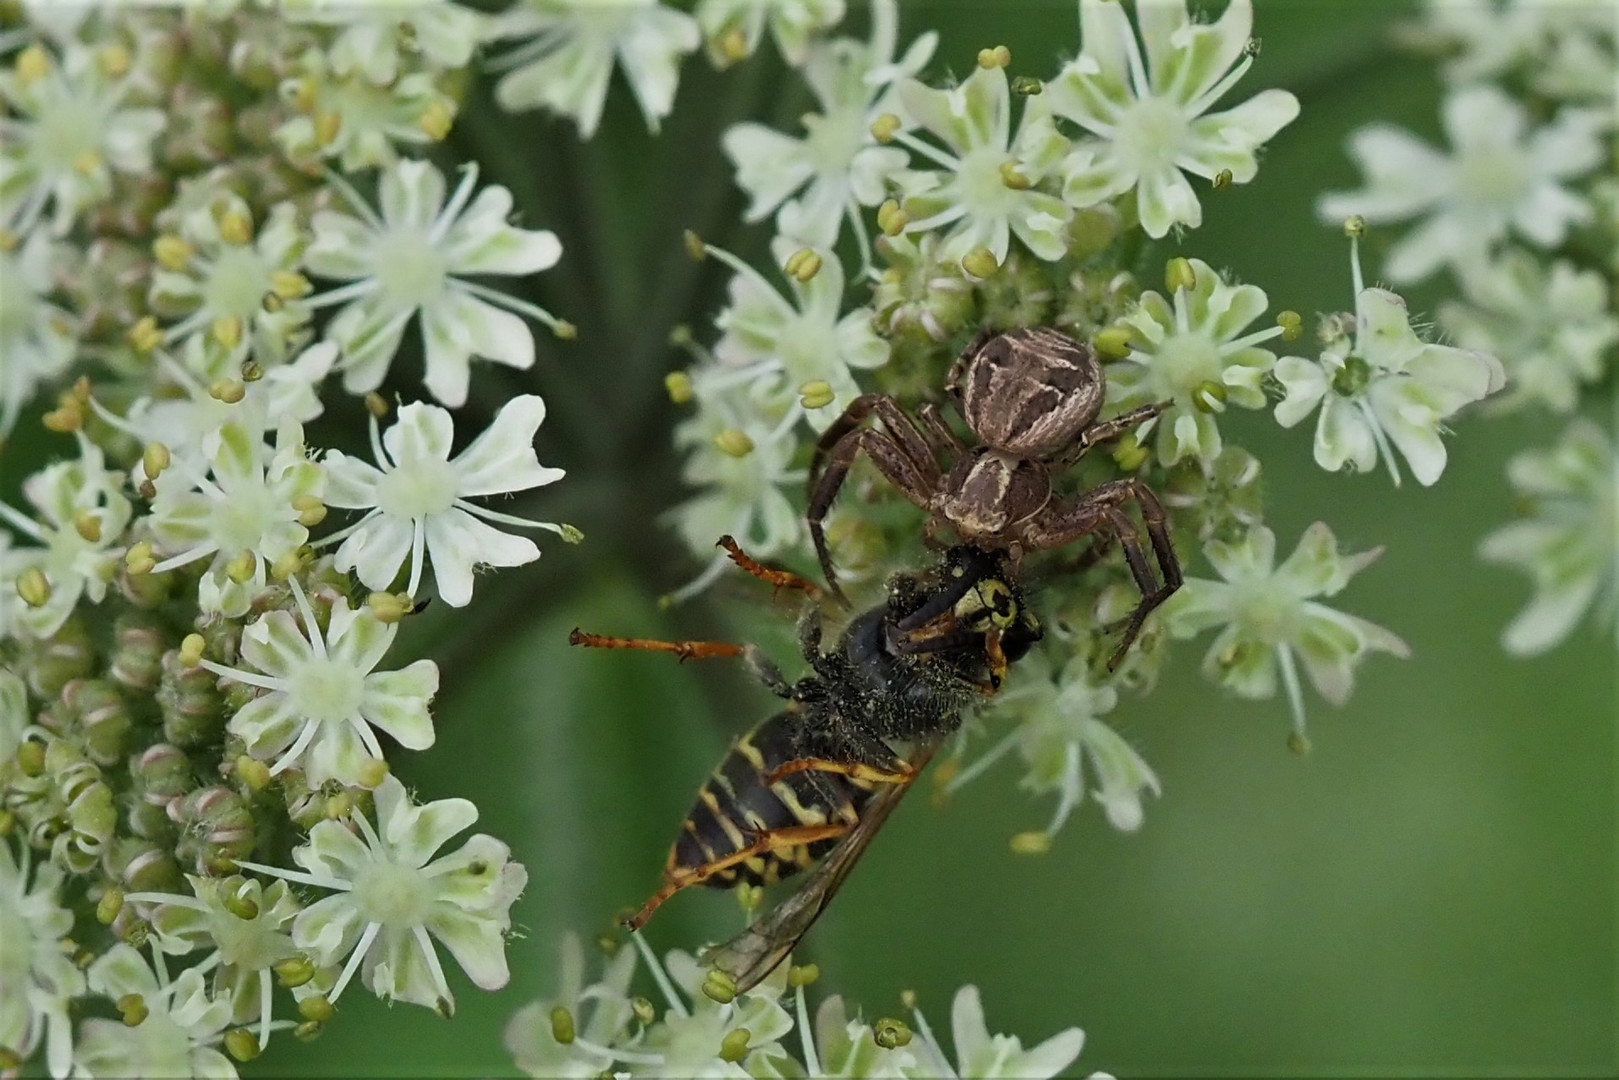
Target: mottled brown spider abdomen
(1029, 392)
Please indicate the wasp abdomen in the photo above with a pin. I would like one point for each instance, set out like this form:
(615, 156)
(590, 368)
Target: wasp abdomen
(735, 806)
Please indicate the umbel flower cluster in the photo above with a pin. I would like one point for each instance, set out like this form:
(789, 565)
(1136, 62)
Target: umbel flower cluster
(210, 220)
(911, 214)
(1521, 211)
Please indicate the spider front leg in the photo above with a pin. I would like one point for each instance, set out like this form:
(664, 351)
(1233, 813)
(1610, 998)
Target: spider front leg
(1097, 512)
(903, 458)
(1111, 429)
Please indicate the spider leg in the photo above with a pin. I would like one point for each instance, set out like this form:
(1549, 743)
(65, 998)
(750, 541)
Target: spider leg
(917, 480)
(1098, 512)
(1111, 429)
(940, 438)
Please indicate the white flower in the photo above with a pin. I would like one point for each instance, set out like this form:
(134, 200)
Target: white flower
(1377, 382)
(14, 712)
(817, 182)
(242, 924)
(567, 61)
(687, 1040)
(1568, 542)
(1191, 351)
(82, 517)
(733, 28)
(247, 512)
(988, 190)
(1145, 117)
(416, 498)
(440, 31)
(600, 1012)
(845, 1047)
(1268, 616)
(1060, 735)
(179, 1034)
(739, 494)
(39, 976)
(240, 289)
(411, 260)
(324, 696)
(392, 898)
(782, 345)
(1502, 178)
(67, 132)
(37, 337)
(980, 1054)
(1565, 48)
(356, 121)
(1549, 325)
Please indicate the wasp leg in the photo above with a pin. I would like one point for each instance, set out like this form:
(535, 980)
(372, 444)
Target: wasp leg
(684, 650)
(765, 842)
(780, 579)
(854, 770)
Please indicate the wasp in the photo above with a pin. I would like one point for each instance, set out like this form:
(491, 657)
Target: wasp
(811, 785)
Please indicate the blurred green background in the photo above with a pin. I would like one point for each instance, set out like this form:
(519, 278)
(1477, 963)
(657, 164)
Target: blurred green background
(1430, 892)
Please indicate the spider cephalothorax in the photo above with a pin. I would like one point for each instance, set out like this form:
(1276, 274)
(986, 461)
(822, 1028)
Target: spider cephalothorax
(1030, 398)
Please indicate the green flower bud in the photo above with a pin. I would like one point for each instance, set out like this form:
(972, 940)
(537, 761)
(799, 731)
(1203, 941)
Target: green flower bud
(147, 867)
(190, 702)
(137, 652)
(162, 774)
(101, 716)
(217, 829)
(69, 654)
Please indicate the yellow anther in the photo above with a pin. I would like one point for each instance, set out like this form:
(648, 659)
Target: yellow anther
(87, 162)
(891, 219)
(241, 1044)
(1013, 177)
(241, 568)
(9, 241)
(678, 385)
(815, 394)
(885, 127)
(562, 1025)
(1298, 742)
(1114, 341)
(718, 986)
(339, 806)
(1129, 453)
(388, 607)
(1031, 843)
(694, 245)
(1222, 179)
(308, 1031)
(230, 391)
(236, 227)
(311, 511)
(289, 563)
(33, 63)
(998, 57)
(34, 587)
(252, 371)
(108, 907)
(802, 265)
(144, 336)
(327, 125)
(1027, 86)
(734, 1047)
(890, 1034)
(227, 330)
(980, 263)
(256, 775)
(570, 534)
(1291, 323)
(643, 1010)
(563, 330)
(436, 121)
(133, 1009)
(1178, 274)
(802, 975)
(376, 405)
(1252, 46)
(243, 907)
(1354, 226)
(114, 61)
(294, 970)
(732, 45)
(192, 646)
(733, 442)
(88, 525)
(138, 559)
(172, 252)
(373, 772)
(289, 284)
(316, 1007)
(305, 93)
(749, 897)
(63, 420)
(1209, 397)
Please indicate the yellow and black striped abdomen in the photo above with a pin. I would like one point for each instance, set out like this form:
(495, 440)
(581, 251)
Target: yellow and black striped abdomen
(735, 808)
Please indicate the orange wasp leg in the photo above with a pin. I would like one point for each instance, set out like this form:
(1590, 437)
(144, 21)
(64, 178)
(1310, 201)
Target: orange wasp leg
(780, 579)
(685, 650)
(852, 769)
(768, 841)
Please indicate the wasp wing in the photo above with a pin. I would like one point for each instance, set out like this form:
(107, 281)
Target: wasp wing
(755, 952)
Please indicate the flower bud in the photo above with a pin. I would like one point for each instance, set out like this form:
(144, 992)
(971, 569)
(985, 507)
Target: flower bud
(190, 702)
(137, 653)
(145, 866)
(31, 757)
(101, 716)
(50, 664)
